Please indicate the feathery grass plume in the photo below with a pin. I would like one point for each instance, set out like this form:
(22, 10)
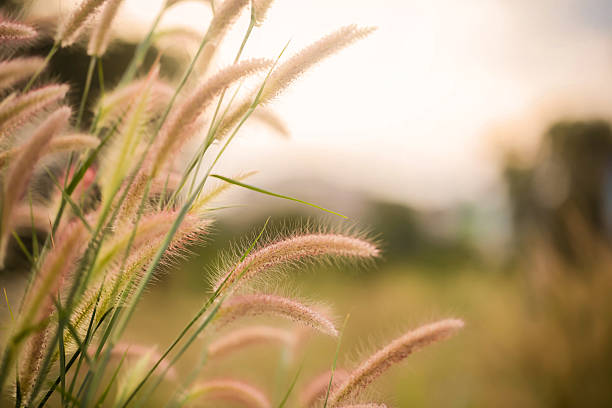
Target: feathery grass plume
(17, 109)
(151, 228)
(191, 231)
(316, 388)
(369, 405)
(393, 353)
(18, 69)
(229, 390)
(73, 142)
(70, 29)
(240, 338)
(116, 103)
(270, 118)
(172, 134)
(294, 67)
(19, 173)
(13, 31)
(296, 248)
(226, 15)
(117, 160)
(260, 9)
(100, 36)
(257, 304)
(39, 304)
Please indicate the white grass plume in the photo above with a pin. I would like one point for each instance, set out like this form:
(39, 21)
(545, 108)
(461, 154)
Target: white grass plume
(271, 119)
(116, 103)
(70, 29)
(101, 34)
(241, 306)
(16, 70)
(18, 109)
(13, 31)
(260, 9)
(172, 135)
(71, 142)
(293, 249)
(229, 390)
(248, 336)
(393, 353)
(19, 173)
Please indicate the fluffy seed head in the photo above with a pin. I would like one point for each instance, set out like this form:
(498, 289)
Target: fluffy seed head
(238, 339)
(289, 71)
(369, 405)
(257, 304)
(12, 31)
(75, 141)
(260, 9)
(294, 249)
(18, 69)
(226, 15)
(393, 353)
(171, 136)
(316, 389)
(15, 110)
(100, 37)
(70, 28)
(231, 390)
(19, 173)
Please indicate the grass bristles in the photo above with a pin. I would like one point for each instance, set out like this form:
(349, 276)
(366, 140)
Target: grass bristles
(241, 338)
(368, 405)
(229, 390)
(241, 306)
(392, 354)
(18, 109)
(100, 37)
(293, 249)
(70, 29)
(260, 10)
(19, 173)
(13, 31)
(177, 127)
(16, 70)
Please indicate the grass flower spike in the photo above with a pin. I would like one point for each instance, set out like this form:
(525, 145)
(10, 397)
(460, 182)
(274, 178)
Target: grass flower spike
(238, 339)
(71, 28)
(300, 247)
(316, 389)
(18, 69)
(18, 109)
(100, 37)
(229, 390)
(12, 31)
(393, 353)
(255, 305)
(19, 173)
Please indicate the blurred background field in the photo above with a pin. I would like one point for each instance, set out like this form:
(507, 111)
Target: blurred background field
(490, 190)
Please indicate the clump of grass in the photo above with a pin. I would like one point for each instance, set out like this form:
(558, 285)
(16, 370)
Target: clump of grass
(121, 207)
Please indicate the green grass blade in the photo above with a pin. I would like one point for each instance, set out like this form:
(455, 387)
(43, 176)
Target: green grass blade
(260, 190)
(291, 386)
(333, 369)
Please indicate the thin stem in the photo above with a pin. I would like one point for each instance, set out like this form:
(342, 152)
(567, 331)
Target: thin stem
(90, 71)
(38, 72)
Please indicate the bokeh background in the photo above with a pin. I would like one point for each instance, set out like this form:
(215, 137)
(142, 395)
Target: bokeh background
(473, 139)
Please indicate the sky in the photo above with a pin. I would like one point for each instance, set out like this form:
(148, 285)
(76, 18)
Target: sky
(419, 112)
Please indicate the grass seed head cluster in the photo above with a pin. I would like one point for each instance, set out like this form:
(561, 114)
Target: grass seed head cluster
(119, 209)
